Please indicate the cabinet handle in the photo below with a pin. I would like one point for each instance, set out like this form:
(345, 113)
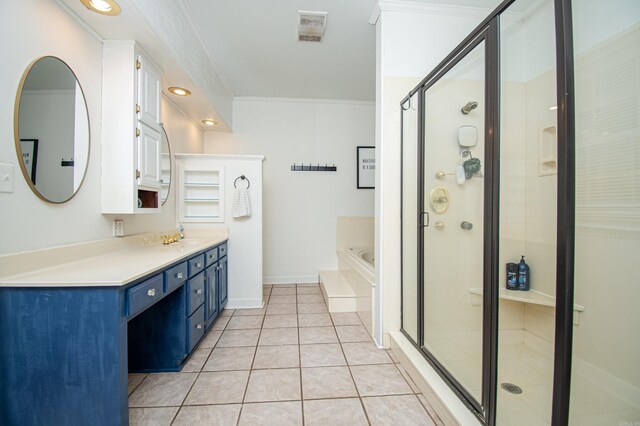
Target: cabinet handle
(199, 291)
(210, 256)
(199, 326)
(198, 264)
(151, 292)
(179, 275)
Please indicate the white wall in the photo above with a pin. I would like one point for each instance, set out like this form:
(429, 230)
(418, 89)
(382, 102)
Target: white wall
(27, 222)
(301, 208)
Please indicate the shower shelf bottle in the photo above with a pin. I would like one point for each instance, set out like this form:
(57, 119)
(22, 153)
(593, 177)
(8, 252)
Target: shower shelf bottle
(523, 275)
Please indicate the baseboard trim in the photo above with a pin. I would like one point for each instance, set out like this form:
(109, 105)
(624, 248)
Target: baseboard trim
(292, 279)
(244, 304)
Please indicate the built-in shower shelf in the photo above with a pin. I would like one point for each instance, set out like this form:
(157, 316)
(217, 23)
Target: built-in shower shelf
(532, 297)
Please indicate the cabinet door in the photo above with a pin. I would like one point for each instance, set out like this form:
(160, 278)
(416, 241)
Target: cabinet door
(222, 283)
(149, 148)
(211, 304)
(149, 93)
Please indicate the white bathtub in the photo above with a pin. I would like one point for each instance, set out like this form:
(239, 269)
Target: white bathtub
(357, 266)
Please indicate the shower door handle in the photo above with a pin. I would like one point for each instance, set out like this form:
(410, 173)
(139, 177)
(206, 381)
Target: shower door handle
(424, 219)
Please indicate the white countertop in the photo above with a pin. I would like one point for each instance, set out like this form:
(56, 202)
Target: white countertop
(114, 262)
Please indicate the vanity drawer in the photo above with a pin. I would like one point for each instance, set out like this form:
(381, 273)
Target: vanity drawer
(222, 250)
(196, 265)
(195, 293)
(175, 276)
(195, 328)
(144, 295)
(211, 256)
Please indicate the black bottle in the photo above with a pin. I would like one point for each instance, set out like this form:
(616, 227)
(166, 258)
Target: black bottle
(512, 276)
(523, 275)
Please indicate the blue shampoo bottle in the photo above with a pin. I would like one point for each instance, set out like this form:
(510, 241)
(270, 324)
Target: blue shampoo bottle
(523, 275)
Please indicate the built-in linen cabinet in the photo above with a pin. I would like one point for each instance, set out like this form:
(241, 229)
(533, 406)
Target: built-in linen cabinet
(131, 130)
(201, 194)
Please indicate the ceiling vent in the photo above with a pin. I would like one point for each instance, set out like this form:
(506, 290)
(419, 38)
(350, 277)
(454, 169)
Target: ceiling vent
(311, 25)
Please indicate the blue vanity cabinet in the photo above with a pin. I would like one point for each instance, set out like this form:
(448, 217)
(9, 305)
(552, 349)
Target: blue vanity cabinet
(65, 352)
(222, 283)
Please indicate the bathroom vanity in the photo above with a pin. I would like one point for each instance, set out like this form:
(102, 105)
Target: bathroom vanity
(72, 330)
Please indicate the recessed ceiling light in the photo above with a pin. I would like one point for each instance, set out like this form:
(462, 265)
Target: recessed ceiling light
(209, 122)
(103, 7)
(180, 91)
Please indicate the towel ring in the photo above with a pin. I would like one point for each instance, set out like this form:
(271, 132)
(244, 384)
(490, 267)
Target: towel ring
(242, 177)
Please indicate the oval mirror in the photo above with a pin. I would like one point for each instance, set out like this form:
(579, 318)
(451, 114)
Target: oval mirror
(52, 130)
(165, 167)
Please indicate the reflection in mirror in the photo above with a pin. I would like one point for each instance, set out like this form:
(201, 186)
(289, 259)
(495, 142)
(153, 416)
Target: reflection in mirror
(52, 130)
(165, 167)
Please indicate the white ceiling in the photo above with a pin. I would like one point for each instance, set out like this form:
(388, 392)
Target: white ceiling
(255, 43)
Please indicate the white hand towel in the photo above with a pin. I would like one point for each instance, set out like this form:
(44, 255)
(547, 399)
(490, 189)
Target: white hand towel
(241, 204)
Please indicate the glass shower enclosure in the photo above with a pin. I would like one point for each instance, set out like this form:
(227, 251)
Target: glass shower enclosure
(523, 144)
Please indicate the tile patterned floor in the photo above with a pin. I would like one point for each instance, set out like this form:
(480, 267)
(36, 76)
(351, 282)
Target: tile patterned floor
(291, 363)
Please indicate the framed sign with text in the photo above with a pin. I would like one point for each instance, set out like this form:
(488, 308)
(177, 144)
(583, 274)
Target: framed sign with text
(366, 167)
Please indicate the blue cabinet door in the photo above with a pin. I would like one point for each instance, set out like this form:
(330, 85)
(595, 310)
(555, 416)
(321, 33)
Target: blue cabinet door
(222, 283)
(211, 294)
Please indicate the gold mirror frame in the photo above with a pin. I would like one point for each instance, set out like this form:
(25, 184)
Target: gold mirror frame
(16, 131)
(166, 136)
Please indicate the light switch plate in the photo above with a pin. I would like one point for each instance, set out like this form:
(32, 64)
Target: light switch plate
(6, 177)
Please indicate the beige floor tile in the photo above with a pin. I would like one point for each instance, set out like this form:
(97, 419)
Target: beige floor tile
(271, 414)
(403, 410)
(281, 309)
(373, 380)
(323, 355)
(134, 381)
(235, 338)
(334, 412)
(220, 323)
(162, 390)
(277, 357)
(408, 378)
(318, 335)
(278, 336)
(353, 333)
(250, 312)
(393, 356)
(282, 299)
(361, 353)
(219, 415)
(224, 387)
(282, 291)
(346, 318)
(309, 290)
(430, 410)
(312, 308)
(273, 385)
(327, 382)
(227, 312)
(161, 416)
(314, 320)
(210, 339)
(310, 298)
(280, 321)
(224, 359)
(197, 360)
(308, 285)
(244, 323)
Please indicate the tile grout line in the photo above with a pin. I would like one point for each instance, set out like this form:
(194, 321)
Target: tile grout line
(300, 361)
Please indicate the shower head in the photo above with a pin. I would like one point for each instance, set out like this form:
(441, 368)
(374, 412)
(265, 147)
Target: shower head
(469, 107)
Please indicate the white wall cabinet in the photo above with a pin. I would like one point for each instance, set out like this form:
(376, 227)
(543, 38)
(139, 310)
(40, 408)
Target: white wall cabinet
(201, 193)
(131, 130)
